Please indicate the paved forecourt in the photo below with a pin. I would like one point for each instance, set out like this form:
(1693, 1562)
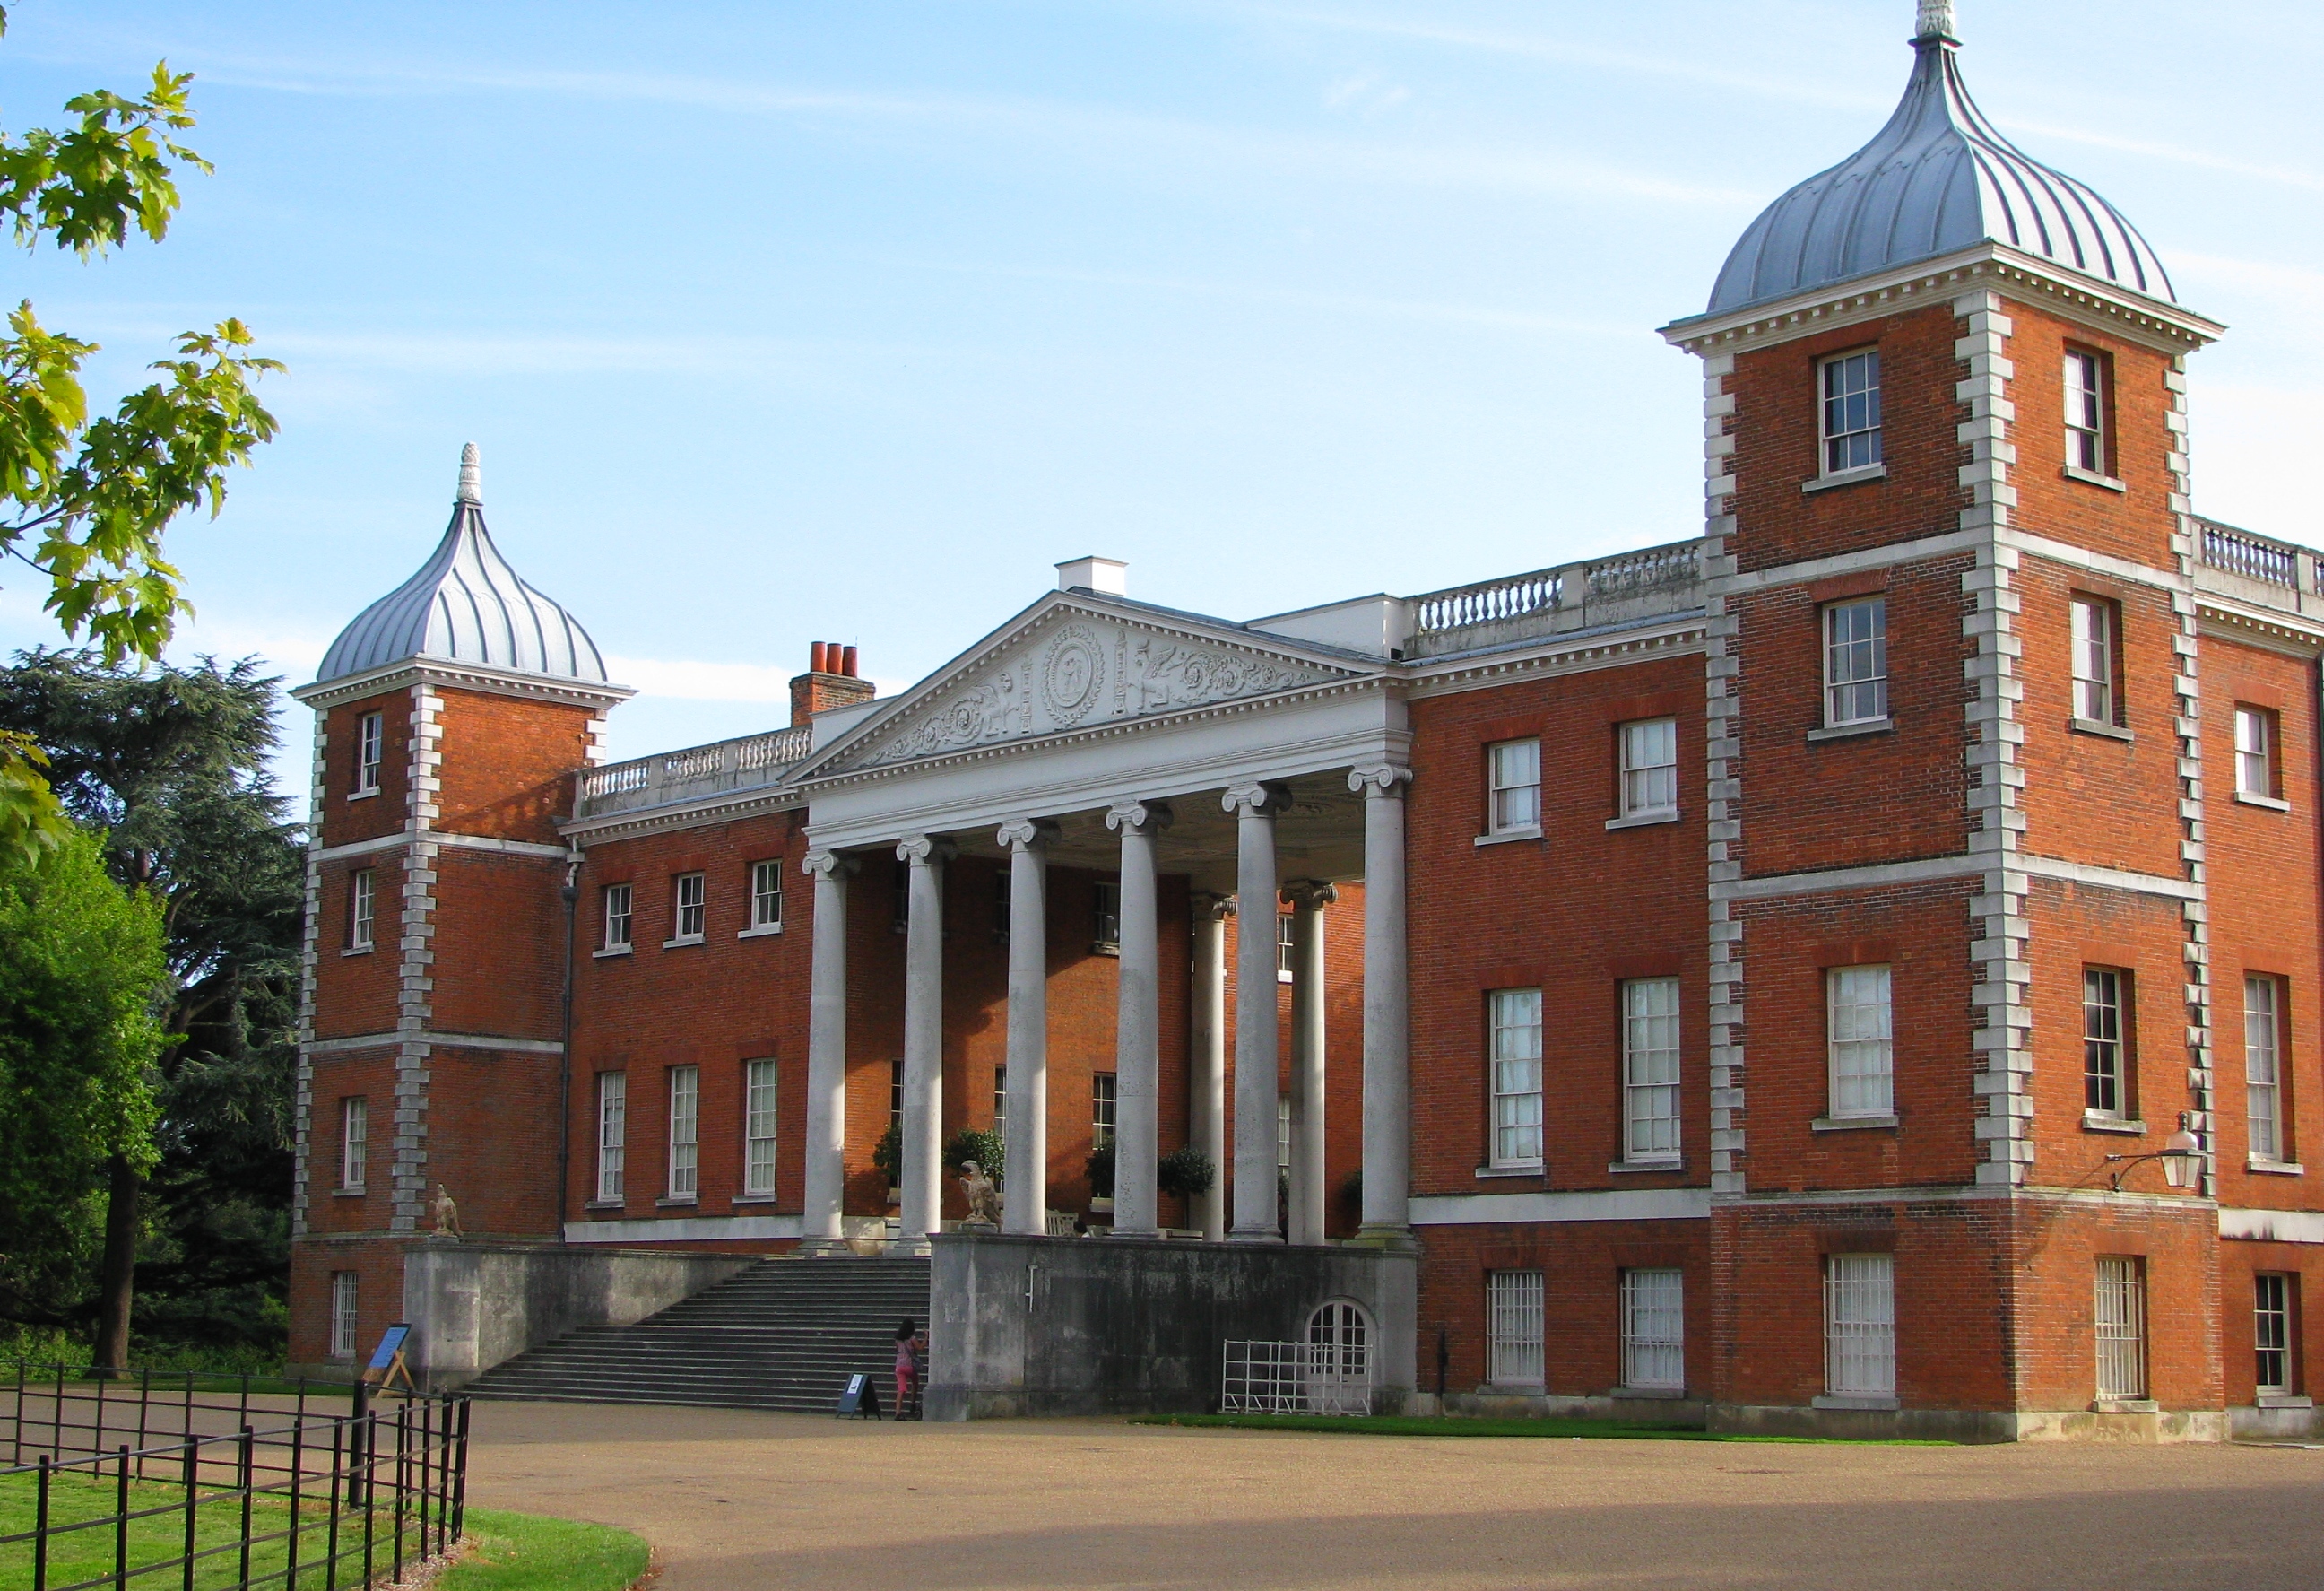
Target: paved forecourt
(738, 1500)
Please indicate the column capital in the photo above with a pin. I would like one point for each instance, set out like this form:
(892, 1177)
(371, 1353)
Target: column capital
(1260, 799)
(1144, 815)
(1217, 908)
(1311, 892)
(824, 864)
(1382, 780)
(1026, 834)
(925, 850)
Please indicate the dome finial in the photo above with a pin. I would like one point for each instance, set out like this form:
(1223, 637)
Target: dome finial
(472, 476)
(1935, 22)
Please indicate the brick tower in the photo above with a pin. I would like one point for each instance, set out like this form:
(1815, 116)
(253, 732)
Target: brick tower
(449, 719)
(1955, 772)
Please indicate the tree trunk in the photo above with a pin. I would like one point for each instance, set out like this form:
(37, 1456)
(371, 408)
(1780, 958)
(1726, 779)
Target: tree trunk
(118, 1284)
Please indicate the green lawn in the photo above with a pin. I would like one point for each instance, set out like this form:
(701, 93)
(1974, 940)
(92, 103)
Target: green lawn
(1397, 1425)
(515, 1552)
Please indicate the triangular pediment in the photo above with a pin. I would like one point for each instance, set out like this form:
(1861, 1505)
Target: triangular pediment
(1072, 663)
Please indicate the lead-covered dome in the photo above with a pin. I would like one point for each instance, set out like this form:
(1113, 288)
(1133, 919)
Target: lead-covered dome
(466, 605)
(1937, 177)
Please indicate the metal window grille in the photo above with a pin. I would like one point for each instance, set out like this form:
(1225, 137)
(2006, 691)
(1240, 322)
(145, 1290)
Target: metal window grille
(2255, 753)
(1513, 1306)
(1516, 1077)
(355, 1145)
(370, 738)
(690, 910)
(1105, 925)
(617, 917)
(1859, 1025)
(685, 1126)
(1856, 661)
(1859, 1325)
(343, 1314)
(1101, 1109)
(1282, 1132)
(1515, 784)
(2085, 408)
(1001, 1105)
(1650, 1069)
(766, 894)
(759, 1128)
(2121, 1329)
(1289, 1378)
(362, 905)
(613, 1133)
(1654, 1329)
(1852, 412)
(2262, 1076)
(2272, 1333)
(2102, 1042)
(2094, 650)
(1649, 767)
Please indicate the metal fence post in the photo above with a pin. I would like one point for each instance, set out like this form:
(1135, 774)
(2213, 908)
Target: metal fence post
(57, 1441)
(460, 1477)
(297, 1464)
(41, 1530)
(369, 1436)
(331, 1536)
(193, 1493)
(145, 1406)
(248, 1480)
(121, 1520)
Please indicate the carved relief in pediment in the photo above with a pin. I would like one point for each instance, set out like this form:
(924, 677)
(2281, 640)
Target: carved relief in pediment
(1085, 672)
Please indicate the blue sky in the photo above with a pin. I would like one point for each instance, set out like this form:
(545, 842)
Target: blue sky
(785, 322)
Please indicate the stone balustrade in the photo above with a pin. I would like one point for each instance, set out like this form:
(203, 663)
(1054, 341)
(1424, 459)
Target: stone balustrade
(668, 778)
(1579, 596)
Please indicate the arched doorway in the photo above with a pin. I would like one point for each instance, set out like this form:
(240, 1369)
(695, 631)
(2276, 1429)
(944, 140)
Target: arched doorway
(1337, 1374)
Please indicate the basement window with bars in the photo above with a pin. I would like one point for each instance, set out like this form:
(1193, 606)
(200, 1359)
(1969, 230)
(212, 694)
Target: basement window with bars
(2262, 1070)
(612, 1135)
(1514, 1305)
(2104, 1079)
(1654, 1329)
(1650, 1069)
(1852, 412)
(2271, 1333)
(766, 895)
(344, 1317)
(1859, 1325)
(2121, 1315)
(1856, 663)
(1515, 1076)
(371, 747)
(758, 1129)
(685, 1130)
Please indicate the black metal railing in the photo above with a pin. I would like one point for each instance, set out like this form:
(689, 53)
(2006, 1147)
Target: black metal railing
(177, 1485)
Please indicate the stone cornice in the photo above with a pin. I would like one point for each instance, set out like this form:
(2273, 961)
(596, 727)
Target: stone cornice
(439, 836)
(717, 808)
(1988, 266)
(1449, 676)
(2275, 632)
(445, 674)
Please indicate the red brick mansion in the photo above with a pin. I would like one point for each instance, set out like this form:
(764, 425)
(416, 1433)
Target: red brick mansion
(1856, 969)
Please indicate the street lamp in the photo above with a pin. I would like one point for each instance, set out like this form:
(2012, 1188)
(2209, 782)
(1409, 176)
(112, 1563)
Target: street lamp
(2181, 1156)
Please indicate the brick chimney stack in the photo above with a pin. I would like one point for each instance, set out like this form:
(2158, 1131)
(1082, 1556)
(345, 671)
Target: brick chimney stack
(830, 681)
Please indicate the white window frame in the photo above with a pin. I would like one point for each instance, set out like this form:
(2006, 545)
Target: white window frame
(1283, 1133)
(1513, 1068)
(1001, 1104)
(1513, 787)
(766, 896)
(2084, 412)
(1515, 1335)
(2119, 1317)
(1649, 768)
(2263, 1067)
(1287, 946)
(2096, 626)
(1654, 1329)
(683, 1176)
(2256, 740)
(2272, 1351)
(1651, 1066)
(1859, 1038)
(1105, 915)
(1854, 662)
(689, 895)
(371, 752)
(1102, 1100)
(621, 920)
(1859, 1325)
(355, 1143)
(363, 907)
(762, 1093)
(2105, 1072)
(346, 1302)
(1848, 411)
(613, 1136)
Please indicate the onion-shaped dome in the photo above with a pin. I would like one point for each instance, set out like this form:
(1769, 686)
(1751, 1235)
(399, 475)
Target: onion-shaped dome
(1937, 177)
(466, 605)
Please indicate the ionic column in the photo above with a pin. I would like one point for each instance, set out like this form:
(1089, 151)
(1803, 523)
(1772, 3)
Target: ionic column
(923, 1042)
(1137, 1021)
(1259, 1026)
(1025, 1185)
(821, 1231)
(1309, 1194)
(1387, 1005)
(1207, 1107)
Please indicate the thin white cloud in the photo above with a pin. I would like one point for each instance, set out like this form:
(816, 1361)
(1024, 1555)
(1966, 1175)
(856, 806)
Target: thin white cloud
(693, 679)
(2288, 176)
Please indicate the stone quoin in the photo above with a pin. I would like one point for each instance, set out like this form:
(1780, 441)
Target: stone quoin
(1854, 970)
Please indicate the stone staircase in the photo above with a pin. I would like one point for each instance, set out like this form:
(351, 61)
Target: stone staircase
(785, 1334)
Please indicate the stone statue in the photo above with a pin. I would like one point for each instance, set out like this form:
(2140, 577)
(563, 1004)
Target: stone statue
(448, 1213)
(984, 1198)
